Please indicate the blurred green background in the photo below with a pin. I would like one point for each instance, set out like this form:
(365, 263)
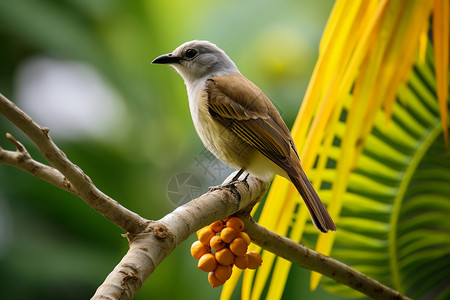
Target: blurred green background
(82, 68)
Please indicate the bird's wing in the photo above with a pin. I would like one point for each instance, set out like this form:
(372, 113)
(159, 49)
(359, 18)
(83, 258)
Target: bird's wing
(243, 108)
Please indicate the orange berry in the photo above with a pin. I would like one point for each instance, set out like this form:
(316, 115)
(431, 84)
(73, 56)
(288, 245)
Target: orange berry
(245, 237)
(254, 259)
(216, 243)
(238, 246)
(198, 231)
(226, 219)
(236, 223)
(198, 249)
(217, 226)
(241, 261)
(214, 281)
(207, 262)
(205, 235)
(225, 256)
(223, 273)
(228, 234)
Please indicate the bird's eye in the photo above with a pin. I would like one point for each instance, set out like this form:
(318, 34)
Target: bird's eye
(190, 53)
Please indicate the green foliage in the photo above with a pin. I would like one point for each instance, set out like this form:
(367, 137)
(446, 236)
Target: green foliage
(401, 235)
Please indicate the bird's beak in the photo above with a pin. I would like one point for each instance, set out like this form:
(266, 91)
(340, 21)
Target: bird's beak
(166, 59)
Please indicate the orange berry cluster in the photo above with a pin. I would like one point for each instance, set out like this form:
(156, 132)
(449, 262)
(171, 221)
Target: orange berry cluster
(229, 243)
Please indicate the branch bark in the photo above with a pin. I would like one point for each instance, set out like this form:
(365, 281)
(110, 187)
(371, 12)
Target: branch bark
(151, 241)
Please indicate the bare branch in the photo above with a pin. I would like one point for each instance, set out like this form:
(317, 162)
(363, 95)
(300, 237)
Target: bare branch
(119, 215)
(21, 159)
(150, 247)
(312, 260)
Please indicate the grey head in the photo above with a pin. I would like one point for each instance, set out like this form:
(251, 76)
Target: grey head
(198, 59)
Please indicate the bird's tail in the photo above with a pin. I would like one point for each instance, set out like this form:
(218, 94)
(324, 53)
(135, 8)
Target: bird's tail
(319, 214)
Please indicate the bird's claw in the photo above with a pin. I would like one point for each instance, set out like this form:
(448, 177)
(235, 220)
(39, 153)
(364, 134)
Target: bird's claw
(231, 186)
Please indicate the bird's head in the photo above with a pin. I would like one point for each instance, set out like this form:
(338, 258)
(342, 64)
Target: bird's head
(198, 59)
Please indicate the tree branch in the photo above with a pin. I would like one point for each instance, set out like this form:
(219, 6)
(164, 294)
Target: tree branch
(109, 208)
(149, 248)
(152, 241)
(314, 261)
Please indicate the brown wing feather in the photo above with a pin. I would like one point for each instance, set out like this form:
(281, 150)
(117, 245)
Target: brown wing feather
(236, 88)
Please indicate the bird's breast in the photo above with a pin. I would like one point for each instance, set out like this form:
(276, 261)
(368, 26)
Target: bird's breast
(219, 140)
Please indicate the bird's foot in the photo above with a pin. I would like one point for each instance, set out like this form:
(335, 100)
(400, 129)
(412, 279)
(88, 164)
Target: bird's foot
(231, 185)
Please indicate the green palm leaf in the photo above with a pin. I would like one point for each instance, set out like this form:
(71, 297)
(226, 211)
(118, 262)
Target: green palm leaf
(395, 221)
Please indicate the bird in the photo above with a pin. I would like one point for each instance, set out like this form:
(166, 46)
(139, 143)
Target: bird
(238, 123)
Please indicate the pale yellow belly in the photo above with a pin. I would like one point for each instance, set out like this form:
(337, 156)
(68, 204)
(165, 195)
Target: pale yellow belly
(224, 144)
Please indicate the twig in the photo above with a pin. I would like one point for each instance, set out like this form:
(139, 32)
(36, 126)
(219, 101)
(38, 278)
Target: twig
(119, 215)
(312, 260)
(21, 159)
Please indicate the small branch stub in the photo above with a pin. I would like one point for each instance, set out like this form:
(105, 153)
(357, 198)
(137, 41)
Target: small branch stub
(18, 145)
